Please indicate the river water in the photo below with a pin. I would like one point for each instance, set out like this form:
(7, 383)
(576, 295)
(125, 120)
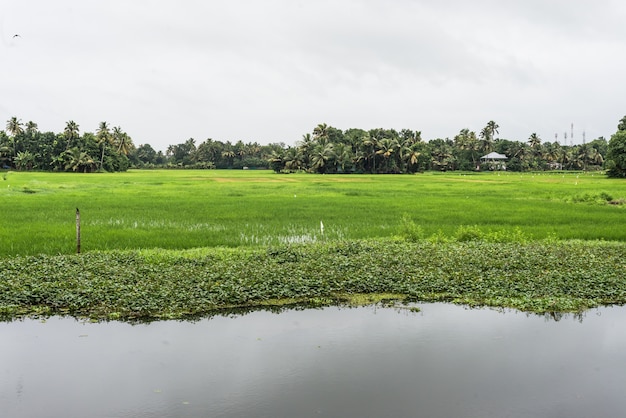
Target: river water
(444, 361)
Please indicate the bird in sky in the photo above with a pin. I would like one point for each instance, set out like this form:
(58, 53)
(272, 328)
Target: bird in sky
(17, 35)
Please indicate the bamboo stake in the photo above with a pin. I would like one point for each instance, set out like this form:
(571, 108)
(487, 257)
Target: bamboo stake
(77, 231)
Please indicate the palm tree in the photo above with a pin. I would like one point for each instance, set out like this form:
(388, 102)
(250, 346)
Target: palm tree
(14, 126)
(122, 140)
(320, 157)
(387, 148)
(320, 133)
(305, 146)
(466, 140)
(344, 155)
(408, 155)
(71, 132)
(485, 143)
(487, 136)
(78, 159)
(371, 141)
(493, 128)
(293, 159)
(31, 128)
(534, 141)
(229, 155)
(441, 155)
(5, 154)
(277, 161)
(103, 135)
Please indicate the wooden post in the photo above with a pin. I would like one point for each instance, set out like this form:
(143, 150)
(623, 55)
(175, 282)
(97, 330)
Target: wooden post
(77, 231)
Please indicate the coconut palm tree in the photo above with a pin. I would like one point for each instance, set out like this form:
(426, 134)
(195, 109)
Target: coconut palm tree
(77, 159)
(321, 156)
(408, 155)
(104, 138)
(229, 156)
(345, 156)
(320, 133)
(122, 140)
(14, 126)
(487, 136)
(71, 133)
(486, 141)
(534, 141)
(492, 127)
(466, 140)
(5, 156)
(387, 149)
(293, 159)
(31, 128)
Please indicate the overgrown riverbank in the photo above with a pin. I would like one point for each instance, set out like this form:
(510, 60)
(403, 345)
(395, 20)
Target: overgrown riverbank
(568, 276)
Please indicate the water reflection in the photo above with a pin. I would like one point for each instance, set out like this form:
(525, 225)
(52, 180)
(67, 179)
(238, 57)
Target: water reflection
(443, 361)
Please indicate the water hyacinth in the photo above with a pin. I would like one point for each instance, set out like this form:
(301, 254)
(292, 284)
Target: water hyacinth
(156, 284)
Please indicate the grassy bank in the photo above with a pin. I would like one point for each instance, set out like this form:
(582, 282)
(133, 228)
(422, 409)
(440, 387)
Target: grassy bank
(210, 208)
(567, 276)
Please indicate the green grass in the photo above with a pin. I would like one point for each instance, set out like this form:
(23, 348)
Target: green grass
(192, 209)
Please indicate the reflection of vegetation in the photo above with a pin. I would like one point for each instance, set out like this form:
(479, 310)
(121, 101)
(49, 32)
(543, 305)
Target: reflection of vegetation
(534, 277)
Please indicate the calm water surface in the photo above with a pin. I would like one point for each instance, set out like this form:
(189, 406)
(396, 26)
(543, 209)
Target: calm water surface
(445, 361)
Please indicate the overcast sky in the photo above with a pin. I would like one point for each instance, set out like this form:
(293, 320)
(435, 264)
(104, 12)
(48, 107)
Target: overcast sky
(271, 70)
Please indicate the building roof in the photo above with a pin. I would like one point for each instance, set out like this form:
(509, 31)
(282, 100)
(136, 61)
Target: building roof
(494, 156)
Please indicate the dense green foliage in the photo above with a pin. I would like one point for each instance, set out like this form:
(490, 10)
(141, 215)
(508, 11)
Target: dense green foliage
(537, 277)
(329, 150)
(325, 150)
(26, 148)
(616, 163)
(182, 209)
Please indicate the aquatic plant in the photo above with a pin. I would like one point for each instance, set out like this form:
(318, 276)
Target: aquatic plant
(566, 276)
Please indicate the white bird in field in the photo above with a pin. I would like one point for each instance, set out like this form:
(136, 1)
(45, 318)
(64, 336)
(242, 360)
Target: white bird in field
(322, 227)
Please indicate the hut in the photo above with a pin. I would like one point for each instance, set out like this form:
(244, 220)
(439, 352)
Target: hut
(494, 161)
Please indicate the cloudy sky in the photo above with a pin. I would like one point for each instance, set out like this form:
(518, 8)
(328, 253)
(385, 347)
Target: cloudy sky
(270, 71)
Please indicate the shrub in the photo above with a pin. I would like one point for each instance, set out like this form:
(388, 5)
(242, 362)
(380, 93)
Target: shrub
(409, 230)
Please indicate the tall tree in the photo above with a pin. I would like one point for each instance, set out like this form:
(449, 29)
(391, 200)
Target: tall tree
(31, 128)
(103, 136)
(321, 156)
(616, 155)
(71, 133)
(14, 126)
(492, 127)
(534, 141)
(122, 140)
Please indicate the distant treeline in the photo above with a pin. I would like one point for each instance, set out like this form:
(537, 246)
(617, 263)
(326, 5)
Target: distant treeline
(325, 150)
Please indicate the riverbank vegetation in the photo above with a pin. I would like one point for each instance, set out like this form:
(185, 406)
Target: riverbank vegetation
(540, 276)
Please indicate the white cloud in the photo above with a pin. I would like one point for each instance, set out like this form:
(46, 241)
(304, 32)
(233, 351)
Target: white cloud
(270, 71)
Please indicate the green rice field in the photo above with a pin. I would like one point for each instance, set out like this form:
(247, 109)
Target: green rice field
(227, 208)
